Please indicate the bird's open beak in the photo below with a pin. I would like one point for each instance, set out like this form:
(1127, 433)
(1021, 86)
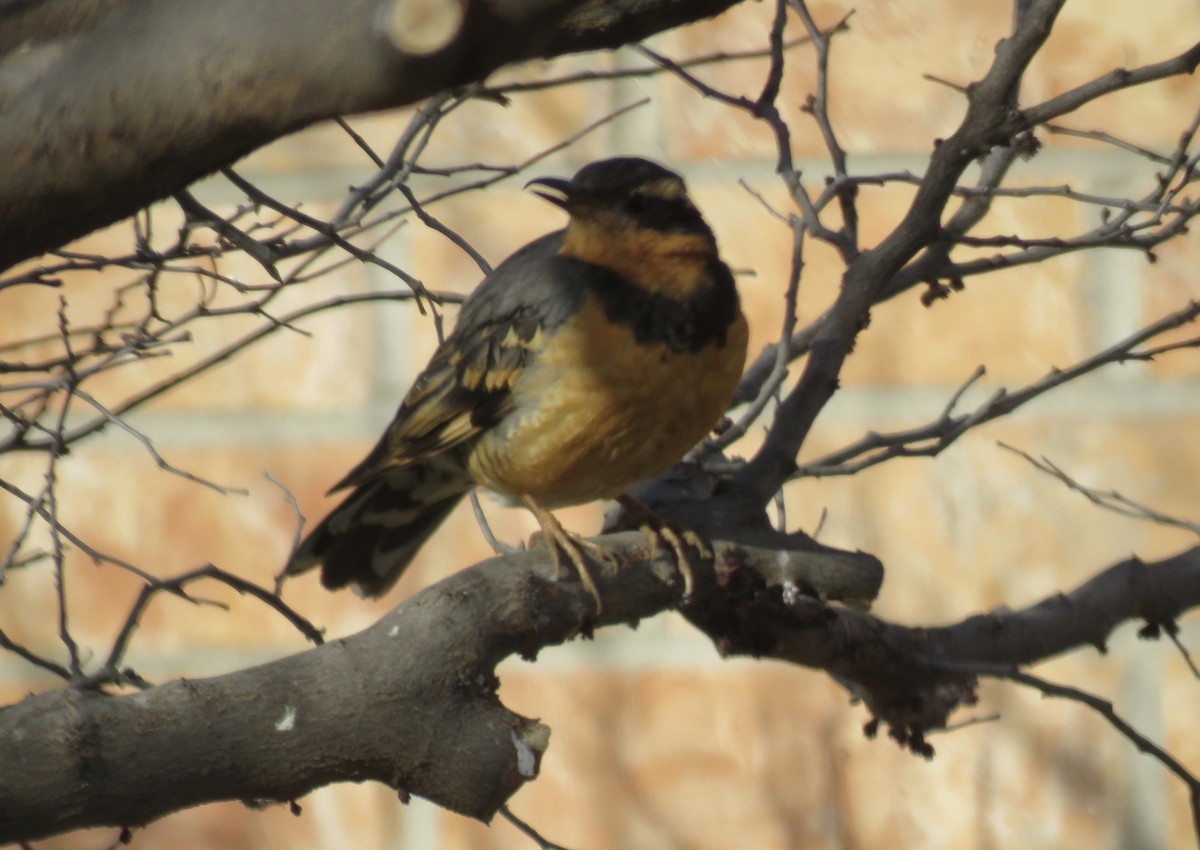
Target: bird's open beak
(562, 187)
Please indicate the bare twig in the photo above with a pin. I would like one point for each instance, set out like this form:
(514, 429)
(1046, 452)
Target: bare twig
(1069, 101)
(111, 673)
(1105, 709)
(1108, 499)
(778, 374)
(162, 463)
(1173, 633)
(1110, 139)
(57, 550)
(37, 506)
(251, 247)
(715, 58)
(138, 399)
(298, 528)
(932, 438)
(435, 224)
(360, 141)
(11, 556)
(329, 232)
(529, 831)
(818, 107)
(12, 646)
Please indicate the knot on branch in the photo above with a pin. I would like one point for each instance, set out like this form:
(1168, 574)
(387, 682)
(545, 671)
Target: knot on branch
(910, 714)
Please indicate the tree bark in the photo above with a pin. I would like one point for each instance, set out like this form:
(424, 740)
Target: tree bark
(110, 105)
(411, 701)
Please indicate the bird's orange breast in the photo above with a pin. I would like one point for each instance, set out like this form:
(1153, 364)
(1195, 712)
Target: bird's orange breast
(596, 411)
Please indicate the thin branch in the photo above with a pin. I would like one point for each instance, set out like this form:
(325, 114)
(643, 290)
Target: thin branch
(966, 724)
(955, 87)
(1105, 709)
(818, 107)
(329, 232)
(738, 101)
(528, 830)
(12, 646)
(359, 140)
(95, 555)
(770, 386)
(159, 460)
(10, 558)
(1110, 139)
(57, 551)
(111, 673)
(400, 164)
(1110, 500)
(196, 212)
(934, 437)
(1173, 633)
(714, 58)
(155, 390)
(297, 528)
(1183, 64)
(435, 224)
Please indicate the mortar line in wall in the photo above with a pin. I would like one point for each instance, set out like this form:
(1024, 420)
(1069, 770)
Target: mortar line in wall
(1114, 286)
(420, 825)
(641, 131)
(1143, 813)
(610, 650)
(899, 407)
(393, 362)
(1053, 167)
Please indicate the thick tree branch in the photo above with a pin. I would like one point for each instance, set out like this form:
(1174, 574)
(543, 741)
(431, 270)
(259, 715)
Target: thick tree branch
(410, 702)
(111, 106)
(912, 678)
(987, 124)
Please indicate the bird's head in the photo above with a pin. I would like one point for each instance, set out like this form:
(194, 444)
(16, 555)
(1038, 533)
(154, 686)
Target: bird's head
(625, 193)
(628, 213)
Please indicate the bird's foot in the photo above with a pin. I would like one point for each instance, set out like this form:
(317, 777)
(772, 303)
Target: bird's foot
(576, 549)
(658, 531)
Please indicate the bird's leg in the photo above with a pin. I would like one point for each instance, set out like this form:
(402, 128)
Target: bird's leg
(560, 541)
(656, 529)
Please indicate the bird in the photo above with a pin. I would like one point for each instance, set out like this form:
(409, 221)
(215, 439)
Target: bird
(591, 359)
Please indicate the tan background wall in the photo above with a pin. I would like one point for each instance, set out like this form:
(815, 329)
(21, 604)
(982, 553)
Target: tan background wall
(658, 743)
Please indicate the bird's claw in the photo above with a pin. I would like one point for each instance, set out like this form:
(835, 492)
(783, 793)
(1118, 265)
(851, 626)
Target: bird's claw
(562, 542)
(678, 540)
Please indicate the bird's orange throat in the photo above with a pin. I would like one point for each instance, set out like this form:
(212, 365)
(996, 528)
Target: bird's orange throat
(672, 264)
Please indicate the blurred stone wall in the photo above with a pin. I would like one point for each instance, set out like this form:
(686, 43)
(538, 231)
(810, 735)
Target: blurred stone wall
(658, 743)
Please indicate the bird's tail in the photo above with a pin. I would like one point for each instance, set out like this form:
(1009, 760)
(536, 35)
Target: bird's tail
(369, 538)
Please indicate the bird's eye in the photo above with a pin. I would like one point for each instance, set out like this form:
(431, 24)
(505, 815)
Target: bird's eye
(638, 203)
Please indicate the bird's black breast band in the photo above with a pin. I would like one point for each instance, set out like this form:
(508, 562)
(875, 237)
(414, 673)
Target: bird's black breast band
(537, 286)
(683, 324)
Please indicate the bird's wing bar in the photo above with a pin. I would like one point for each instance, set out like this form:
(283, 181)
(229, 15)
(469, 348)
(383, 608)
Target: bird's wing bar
(464, 390)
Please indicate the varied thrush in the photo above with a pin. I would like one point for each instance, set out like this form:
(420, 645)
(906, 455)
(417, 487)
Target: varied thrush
(589, 360)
